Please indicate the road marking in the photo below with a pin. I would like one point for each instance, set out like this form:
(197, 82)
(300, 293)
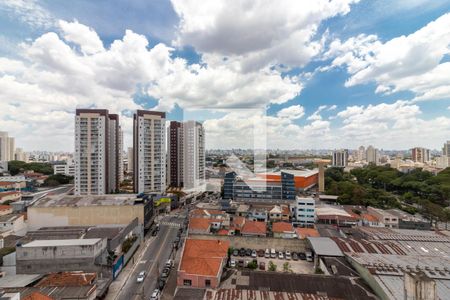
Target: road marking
(171, 224)
(142, 261)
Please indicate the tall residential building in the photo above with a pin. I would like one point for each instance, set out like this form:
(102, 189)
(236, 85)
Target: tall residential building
(149, 147)
(130, 160)
(175, 154)
(421, 155)
(120, 153)
(96, 152)
(20, 155)
(361, 154)
(7, 147)
(372, 155)
(446, 149)
(340, 158)
(193, 154)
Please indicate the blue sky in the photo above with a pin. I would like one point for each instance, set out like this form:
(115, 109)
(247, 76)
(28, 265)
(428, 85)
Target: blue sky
(344, 73)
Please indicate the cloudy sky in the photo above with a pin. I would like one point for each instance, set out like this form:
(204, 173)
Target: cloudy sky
(315, 74)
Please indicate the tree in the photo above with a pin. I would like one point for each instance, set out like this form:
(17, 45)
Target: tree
(272, 266)
(287, 267)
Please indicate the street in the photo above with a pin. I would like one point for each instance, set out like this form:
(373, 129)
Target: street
(158, 250)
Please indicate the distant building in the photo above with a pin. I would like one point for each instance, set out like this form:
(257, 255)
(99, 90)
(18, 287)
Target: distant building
(361, 154)
(372, 155)
(130, 160)
(12, 224)
(175, 154)
(388, 219)
(7, 147)
(421, 155)
(65, 169)
(340, 158)
(149, 151)
(96, 152)
(254, 228)
(446, 149)
(20, 155)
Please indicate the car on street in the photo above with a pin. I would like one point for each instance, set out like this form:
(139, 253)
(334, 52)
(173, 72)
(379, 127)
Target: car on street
(280, 255)
(235, 252)
(232, 263)
(294, 256)
(254, 253)
(156, 295)
(141, 276)
(165, 273)
(288, 255)
(248, 252)
(242, 252)
(169, 263)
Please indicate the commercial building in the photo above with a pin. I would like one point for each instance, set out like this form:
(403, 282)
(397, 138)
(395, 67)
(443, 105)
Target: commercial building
(202, 263)
(186, 145)
(7, 147)
(72, 210)
(65, 169)
(274, 187)
(446, 149)
(45, 256)
(340, 158)
(96, 152)
(421, 155)
(388, 219)
(361, 153)
(149, 147)
(304, 211)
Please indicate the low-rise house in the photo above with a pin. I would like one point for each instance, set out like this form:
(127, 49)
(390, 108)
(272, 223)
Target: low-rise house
(385, 217)
(238, 223)
(242, 210)
(5, 210)
(370, 220)
(46, 256)
(304, 232)
(12, 224)
(258, 214)
(275, 213)
(9, 196)
(335, 215)
(283, 230)
(215, 215)
(202, 263)
(254, 228)
(199, 226)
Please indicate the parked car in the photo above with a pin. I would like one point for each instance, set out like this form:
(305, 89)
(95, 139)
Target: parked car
(156, 295)
(294, 256)
(242, 252)
(309, 256)
(169, 263)
(141, 276)
(232, 263)
(280, 255)
(262, 265)
(254, 253)
(241, 263)
(165, 273)
(273, 253)
(302, 255)
(235, 252)
(288, 255)
(248, 252)
(267, 253)
(260, 253)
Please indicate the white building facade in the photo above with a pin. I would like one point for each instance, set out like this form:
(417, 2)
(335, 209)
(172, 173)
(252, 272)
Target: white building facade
(149, 147)
(304, 211)
(340, 158)
(7, 147)
(193, 154)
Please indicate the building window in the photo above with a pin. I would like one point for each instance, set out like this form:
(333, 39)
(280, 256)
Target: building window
(187, 282)
(207, 283)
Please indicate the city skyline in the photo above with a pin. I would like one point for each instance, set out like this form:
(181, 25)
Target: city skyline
(314, 82)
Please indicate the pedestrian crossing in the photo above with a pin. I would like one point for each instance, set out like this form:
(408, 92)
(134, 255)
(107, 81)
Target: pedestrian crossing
(171, 224)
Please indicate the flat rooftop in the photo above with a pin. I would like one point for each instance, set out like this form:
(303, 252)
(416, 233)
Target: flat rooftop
(61, 243)
(299, 173)
(85, 200)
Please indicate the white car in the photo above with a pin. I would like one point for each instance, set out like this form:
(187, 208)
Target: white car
(232, 263)
(169, 263)
(141, 277)
(156, 295)
(280, 255)
(288, 255)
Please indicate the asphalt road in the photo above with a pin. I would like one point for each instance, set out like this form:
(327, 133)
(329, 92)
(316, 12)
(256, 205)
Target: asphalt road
(158, 251)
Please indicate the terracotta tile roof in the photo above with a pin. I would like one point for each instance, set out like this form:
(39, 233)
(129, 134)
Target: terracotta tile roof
(206, 212)
(5, 183)
(67, 279)
(5, 207)
(369, 217)
(222, 232)
(281, 227)
(199, 224)
(285, 210)
(203, 257)
(37, 296)
(254, 227)
(238, 221)
(303, 233)
(8, 193)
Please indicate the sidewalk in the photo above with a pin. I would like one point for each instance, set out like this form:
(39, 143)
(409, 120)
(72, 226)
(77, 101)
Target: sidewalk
(116, 286)
(169, 289)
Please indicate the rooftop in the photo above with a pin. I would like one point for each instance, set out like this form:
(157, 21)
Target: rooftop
(68, 279)
(203, 257)
(199, 224)
(254, 227)
(303, 233)
(91, 200)
(62, 243)
(282, 227)
(10, 218)
(324, 246)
